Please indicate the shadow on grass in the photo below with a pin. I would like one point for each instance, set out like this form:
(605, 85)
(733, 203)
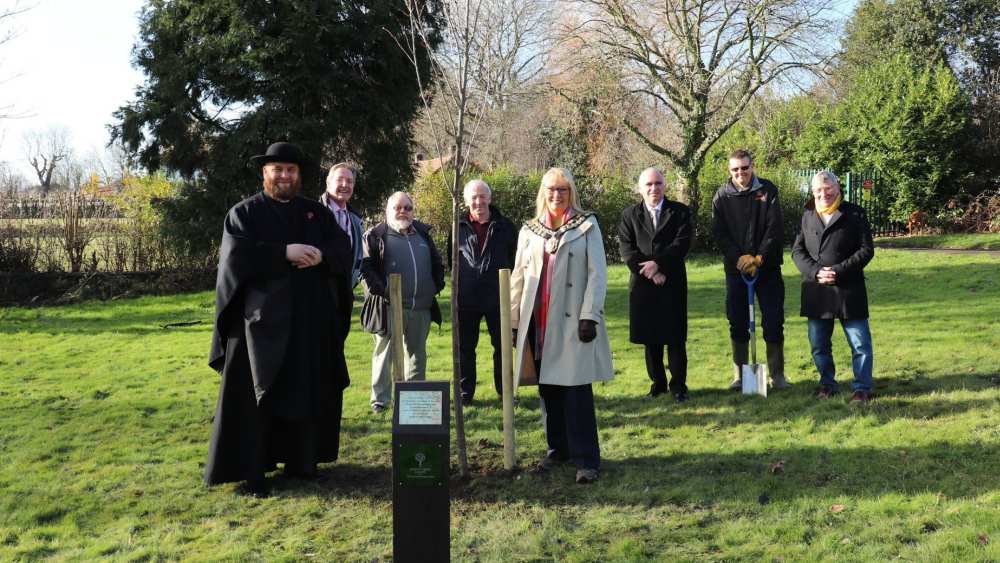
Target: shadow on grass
(127, 321)
(895, 399)
(341, 480)
(806, 472)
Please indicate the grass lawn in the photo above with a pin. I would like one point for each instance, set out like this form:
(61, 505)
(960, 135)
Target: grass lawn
(106, 417)
(967, 241)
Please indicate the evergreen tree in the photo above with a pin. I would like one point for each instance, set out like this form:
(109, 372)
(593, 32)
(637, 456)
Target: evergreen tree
(224, 78)
(903, 118)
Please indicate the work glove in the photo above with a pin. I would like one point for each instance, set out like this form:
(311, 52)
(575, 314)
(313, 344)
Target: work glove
(744, 262)
(588, 330)
(754, 265)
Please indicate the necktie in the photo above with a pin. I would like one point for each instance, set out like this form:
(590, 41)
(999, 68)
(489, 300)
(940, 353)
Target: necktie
(345, 222)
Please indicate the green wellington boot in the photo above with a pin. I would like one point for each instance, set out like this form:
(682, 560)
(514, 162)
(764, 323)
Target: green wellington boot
(776, 365)
(740, 356)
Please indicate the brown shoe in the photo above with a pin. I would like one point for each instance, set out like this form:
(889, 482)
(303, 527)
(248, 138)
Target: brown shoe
(546, 464)
(825, 392)
(585, 476)
(860, 398)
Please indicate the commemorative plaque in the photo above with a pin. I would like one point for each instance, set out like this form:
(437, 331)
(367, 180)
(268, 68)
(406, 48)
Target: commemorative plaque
(420, 455)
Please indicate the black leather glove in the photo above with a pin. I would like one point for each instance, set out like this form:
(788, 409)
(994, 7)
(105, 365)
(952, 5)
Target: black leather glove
(588, 330)
(515, 338)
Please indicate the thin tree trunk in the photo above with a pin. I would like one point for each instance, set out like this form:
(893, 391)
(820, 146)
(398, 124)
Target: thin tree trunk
(463, 460)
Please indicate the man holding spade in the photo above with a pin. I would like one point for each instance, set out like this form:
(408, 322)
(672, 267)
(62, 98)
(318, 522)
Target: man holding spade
(746, 222)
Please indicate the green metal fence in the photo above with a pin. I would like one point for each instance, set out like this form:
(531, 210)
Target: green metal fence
(864, 189)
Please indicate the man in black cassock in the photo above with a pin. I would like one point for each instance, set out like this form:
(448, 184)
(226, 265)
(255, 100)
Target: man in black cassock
(282, 314)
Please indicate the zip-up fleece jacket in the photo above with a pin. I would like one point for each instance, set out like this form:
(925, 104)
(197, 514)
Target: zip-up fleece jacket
(373, 271)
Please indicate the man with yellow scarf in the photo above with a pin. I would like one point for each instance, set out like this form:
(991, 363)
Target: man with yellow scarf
(832, 249)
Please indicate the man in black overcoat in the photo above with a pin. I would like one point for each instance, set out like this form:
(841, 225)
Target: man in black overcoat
(284, 268)
(654, 237)
(831, 250)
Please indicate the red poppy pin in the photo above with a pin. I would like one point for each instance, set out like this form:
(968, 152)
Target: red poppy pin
(761, 196)
(309, 215)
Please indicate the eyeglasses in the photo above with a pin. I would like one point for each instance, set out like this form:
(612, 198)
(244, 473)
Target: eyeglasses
(740, 168)
(403, 208)
(557, 190)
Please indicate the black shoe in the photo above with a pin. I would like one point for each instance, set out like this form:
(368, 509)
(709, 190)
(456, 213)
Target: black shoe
(681, 396)
(656, 390)
(255, 489)
(300, 474)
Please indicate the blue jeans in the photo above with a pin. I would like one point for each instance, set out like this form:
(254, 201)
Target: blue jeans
(859, 337)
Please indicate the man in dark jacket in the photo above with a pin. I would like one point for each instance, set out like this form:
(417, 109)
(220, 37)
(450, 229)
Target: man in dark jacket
(400, 245)
(746, 221)
(340, 182)
(487, 243)
(654, 237)
(278, 339)
(831, 251)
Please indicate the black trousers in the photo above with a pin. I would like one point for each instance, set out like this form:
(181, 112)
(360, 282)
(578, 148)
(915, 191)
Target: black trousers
(769, 297)
(570, 424)
(677, 356)
(468, 322)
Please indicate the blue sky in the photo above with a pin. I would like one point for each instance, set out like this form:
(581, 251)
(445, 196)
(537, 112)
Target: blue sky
(71, 67)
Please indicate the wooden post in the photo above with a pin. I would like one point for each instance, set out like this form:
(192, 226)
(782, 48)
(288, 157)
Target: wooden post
(396, 326)
(507, 371)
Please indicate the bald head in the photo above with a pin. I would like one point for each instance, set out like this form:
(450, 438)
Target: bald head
(399, 211)
(477, 197)
(650, 186)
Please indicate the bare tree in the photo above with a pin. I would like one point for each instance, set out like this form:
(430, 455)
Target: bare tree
(44, 150)
(459, 55)
(7, 33)
(698, 63)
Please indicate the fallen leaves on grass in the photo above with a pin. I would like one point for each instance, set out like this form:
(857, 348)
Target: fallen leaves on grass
(777, 467)
(837, 508)
(983, 539)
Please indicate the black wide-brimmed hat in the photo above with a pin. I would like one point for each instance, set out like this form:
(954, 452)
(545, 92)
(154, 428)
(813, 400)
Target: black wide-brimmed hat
(279, 152)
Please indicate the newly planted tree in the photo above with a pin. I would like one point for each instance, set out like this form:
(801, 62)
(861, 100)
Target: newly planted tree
(476, 64)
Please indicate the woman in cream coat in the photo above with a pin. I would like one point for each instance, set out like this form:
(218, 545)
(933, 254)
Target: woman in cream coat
(557, 306)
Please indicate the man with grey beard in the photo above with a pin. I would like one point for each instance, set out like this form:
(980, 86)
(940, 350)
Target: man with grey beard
(400, 245)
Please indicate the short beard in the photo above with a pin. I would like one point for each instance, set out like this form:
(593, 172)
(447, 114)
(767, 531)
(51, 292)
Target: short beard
(282, 194)
(399, 225)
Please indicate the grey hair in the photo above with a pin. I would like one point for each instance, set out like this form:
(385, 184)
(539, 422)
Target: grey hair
(395, 197)
(826, 177)
(345, 165)
(473, 183)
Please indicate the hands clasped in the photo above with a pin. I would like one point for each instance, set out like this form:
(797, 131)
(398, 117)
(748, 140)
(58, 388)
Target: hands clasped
(826, 276)
(651, 271)
(749, 264)
(303, 255)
